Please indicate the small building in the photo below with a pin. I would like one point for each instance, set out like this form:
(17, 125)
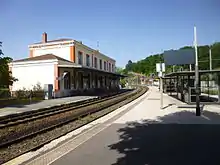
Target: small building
(67, 64)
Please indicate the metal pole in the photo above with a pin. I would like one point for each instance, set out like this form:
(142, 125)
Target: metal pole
(218, 80)
(136, 81)
(190, 67)
(161, 92)
(198, 113)
(210, 58)
(161, 86)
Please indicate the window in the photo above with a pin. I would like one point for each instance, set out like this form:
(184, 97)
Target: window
(87, 60)
(67, 80)
(95, 61)
(104, 65)
(80, 58)
(100, 63)
(109, 67)
(112, 68)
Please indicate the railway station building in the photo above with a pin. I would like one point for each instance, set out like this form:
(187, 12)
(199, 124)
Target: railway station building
(68, 65)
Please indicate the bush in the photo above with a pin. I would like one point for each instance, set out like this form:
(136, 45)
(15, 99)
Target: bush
(37, 87)
(21, 93)
(122, 82)
(4, 93)
(36, 92)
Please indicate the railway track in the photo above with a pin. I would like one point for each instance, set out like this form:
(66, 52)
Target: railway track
(15, 119)
(28, 134)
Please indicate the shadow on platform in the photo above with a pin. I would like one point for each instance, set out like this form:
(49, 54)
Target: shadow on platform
(165, 143)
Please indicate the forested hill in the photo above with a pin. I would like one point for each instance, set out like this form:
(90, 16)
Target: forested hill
(148, 65)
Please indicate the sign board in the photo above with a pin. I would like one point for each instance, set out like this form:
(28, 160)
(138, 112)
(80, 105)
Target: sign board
(179, 57)
(160, 74)
(163, 67)
(160, 67)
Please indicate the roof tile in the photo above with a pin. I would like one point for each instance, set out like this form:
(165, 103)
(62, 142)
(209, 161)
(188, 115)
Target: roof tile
(42, 57)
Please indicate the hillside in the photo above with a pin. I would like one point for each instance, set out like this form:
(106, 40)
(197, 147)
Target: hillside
(148, 65)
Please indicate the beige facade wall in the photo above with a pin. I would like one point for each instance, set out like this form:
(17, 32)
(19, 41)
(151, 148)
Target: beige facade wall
(63, 50)
(93, 54)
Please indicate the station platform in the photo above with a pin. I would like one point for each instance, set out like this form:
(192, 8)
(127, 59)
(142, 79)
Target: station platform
(139, 133)
(42, 104)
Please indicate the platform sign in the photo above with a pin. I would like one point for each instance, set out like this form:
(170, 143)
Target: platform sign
(160, 67)
(160, 74)
(179, 57)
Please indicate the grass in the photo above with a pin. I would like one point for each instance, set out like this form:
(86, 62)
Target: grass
(211, 91)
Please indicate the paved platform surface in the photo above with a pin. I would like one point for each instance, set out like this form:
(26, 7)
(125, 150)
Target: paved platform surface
(41, 104)
(146, 135)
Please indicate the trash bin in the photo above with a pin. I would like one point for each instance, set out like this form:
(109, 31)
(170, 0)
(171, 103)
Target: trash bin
(48, 91)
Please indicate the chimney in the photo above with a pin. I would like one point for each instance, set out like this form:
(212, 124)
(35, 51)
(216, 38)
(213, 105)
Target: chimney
(44, 37)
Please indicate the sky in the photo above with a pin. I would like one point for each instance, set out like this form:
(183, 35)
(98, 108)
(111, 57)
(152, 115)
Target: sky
(125, 29)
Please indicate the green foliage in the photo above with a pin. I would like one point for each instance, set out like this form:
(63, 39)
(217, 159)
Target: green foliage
(4, 93)
(211, 91)
(21, 93)
(123, 82)
(37, 92)
(128, 67)
(148, 65)
(5, 76)
(37, 87)
(121, 71)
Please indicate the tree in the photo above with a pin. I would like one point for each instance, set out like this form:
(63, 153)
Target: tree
(121, 71)
(147, 66)
(128, 67)
(5, 75)
(1, 53)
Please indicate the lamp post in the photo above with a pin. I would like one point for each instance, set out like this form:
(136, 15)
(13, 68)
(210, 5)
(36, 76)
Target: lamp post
(198, 112)
(210, 57)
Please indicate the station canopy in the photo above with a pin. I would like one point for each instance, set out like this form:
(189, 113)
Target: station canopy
(191, 73)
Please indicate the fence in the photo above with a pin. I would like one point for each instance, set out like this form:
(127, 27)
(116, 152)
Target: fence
(207, 94)
(5, 93)
(8, 97)
(208, 84)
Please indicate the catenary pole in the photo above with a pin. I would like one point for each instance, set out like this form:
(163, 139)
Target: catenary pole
(210, 58)
(198, 113)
